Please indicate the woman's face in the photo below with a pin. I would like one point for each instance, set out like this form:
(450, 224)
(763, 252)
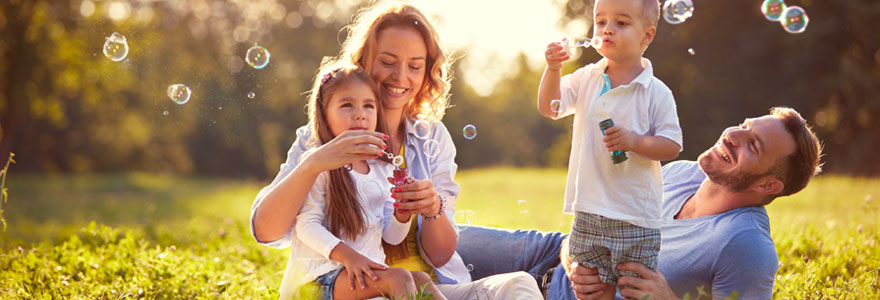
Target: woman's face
(399, 65)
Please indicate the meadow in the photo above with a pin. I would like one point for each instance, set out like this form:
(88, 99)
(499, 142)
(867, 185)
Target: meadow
(145, 236)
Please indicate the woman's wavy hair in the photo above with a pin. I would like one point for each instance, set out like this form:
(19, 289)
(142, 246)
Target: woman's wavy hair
(359, 48)
(344, 214)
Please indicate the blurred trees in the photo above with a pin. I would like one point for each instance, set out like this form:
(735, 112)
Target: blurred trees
(66, 108)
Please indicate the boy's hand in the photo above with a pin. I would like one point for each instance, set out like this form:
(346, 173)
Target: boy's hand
(619, 138)
(555, 55)
(359, 266)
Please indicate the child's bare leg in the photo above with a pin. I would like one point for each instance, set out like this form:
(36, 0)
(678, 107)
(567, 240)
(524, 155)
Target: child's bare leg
(421, 279)
(393, 283)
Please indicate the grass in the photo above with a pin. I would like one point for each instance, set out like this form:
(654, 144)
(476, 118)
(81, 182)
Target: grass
(162, 237)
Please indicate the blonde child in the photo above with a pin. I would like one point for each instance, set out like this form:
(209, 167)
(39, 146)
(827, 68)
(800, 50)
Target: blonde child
(349, 211)
(616, 203)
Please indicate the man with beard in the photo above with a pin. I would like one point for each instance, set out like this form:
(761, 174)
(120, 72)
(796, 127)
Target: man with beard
(716, 233)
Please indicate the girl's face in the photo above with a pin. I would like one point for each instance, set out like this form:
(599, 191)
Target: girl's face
(351, 107)
(399, 65)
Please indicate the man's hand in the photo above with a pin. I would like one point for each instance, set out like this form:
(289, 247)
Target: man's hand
(585, 282)
(652, 284)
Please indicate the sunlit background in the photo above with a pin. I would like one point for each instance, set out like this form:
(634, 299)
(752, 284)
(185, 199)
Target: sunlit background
(65, 108)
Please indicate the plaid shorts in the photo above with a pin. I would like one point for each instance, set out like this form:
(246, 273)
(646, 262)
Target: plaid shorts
(603, 243)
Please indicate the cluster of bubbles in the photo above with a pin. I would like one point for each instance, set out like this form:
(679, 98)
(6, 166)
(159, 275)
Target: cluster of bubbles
(422, 130)
(115, 47)
(571, 43)
(793, 18)
(677, 11)
(179, 93)
(257, 57)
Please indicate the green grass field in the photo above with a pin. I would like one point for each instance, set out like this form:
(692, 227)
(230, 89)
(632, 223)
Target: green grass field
(160, 237)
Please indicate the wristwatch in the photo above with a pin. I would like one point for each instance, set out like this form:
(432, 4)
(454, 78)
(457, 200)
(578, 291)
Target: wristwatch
(442, 208)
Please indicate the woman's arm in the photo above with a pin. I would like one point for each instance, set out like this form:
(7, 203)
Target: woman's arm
(439, 236)
(277, 205)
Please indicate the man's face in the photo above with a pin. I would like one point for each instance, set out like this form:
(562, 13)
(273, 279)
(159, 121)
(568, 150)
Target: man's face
(747, 152)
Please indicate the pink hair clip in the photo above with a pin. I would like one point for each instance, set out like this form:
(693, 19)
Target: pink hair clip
(326, 77)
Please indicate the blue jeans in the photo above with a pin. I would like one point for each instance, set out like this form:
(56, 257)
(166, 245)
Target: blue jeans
(494, 251)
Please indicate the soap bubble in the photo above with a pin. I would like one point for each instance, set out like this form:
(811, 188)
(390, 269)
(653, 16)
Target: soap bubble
(470, 267)
(165, 113)
(179, 93)
(569, 44)
(794, 19)
(677, 11)
(554, 105)
(691, 51)
(464, 216)
(431, 148)
(257, 57)
(522, 206)
(252, 95)
(469, 131)
(115, 47)
(422, 129)
(772, 9)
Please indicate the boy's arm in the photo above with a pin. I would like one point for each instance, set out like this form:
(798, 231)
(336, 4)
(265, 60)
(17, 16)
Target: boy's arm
(548, 90)
(652, 147)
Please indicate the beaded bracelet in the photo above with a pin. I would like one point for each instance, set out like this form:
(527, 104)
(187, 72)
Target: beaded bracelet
(442, 207)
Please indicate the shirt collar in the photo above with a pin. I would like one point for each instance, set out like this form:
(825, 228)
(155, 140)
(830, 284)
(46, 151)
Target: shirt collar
(643, 79)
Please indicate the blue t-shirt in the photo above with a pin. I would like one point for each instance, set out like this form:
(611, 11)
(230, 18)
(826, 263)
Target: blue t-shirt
(727, 252)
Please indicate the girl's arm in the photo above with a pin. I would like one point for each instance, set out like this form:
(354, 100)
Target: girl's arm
(277, 205)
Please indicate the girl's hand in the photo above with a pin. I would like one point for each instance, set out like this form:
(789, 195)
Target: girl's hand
(555, 55)
(619, 138)
(346, 148)
(358, 267)
(416, 197)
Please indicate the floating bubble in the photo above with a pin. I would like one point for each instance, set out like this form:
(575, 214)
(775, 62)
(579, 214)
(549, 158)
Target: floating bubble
(252, 95)
(677, 11)
(220, 107)
(522, 206)
(470, 267)
(115, 47)
(691, 51)
(165, 113)
(431, 148)
(555, 105)
(570, 43)
(422, 129)
(179, 93)
(772, 9)
(464, 216)
(469, 131)
(257, 57)
(794, 19)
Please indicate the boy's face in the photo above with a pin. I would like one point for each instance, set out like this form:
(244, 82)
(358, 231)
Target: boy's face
(623, 28)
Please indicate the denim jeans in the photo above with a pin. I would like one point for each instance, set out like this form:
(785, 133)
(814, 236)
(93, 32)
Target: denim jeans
(494, 251)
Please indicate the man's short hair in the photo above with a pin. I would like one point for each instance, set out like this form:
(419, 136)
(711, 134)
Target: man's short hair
(796, 169)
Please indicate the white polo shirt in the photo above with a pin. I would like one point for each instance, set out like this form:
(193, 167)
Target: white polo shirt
(630, 191)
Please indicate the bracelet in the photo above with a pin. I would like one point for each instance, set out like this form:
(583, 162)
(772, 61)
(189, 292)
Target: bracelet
(442, 207)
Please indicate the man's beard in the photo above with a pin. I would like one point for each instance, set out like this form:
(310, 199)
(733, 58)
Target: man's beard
(736, 183)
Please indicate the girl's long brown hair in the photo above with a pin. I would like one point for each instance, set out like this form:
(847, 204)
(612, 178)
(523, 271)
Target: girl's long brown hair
(344, 214)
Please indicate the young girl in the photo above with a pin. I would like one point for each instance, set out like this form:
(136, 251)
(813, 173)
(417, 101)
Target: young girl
(349, 211)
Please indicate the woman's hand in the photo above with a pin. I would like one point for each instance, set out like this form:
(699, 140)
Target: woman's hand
(346, 148)
(416, 197)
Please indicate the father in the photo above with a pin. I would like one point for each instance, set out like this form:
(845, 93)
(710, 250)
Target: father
(716, 233)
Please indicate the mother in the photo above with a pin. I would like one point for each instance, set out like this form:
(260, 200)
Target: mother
(400, 50)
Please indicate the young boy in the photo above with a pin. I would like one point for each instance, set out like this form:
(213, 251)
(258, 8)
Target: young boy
(616, 202)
